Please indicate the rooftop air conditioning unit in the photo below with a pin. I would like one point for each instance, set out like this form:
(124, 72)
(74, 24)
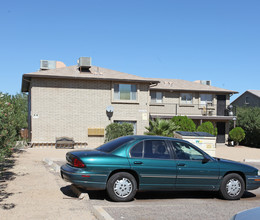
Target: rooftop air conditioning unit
(84, 62)
(205, 82)
(48, 64)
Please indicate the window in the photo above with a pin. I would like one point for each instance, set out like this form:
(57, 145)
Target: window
(186, 98)
(151, 149)
(114, 144)
(185, 151)
(247, 100)
(125, 92)
(137, 150)
(156, 97)
(206, 99)
(130, 122)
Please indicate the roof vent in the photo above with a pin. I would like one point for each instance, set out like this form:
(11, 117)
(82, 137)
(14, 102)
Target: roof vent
(51, 64)
(84, 62)
(48, 64)
(204, 82)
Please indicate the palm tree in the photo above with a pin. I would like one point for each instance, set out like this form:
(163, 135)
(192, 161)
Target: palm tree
(161, 127)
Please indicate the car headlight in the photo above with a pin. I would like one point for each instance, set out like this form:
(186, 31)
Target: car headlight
(258, 172)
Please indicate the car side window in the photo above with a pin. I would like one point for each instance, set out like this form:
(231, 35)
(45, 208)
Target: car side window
(185, 151)
(156, 149)
(137, 150)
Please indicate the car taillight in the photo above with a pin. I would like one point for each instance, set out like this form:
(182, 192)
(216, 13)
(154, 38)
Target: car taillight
(78, 163)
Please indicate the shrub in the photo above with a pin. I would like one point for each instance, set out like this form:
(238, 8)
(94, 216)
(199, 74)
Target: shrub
(116, 130)
(237, 134)
(248, 118)
(184, 123)
(161, 127)
(208, 127)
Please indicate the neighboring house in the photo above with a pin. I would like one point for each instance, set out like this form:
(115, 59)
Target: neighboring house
(250, 98)
(73, 102)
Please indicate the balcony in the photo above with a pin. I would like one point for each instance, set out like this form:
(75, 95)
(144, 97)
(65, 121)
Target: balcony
(201, 110)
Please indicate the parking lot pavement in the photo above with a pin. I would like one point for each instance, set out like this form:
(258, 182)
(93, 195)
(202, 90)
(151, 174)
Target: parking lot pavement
(172, 205)
(176, 205)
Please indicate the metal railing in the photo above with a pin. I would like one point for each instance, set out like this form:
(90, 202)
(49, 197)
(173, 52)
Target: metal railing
(191, 109)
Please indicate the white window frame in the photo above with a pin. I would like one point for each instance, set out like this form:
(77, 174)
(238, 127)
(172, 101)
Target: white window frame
(186, 101)
(158, 97)
(208, 99)
(133, 96)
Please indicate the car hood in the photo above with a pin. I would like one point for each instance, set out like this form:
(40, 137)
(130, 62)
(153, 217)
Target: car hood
(234, 164)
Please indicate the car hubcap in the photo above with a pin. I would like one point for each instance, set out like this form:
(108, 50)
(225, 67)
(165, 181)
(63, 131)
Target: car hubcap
(123, 187)
(233, 187)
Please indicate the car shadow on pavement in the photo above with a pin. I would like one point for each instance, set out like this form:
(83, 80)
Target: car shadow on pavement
(66, 190)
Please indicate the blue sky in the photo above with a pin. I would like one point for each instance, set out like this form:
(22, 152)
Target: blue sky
(217, 40)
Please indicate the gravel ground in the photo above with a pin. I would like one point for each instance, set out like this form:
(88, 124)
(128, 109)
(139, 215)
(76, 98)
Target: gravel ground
(33, 192)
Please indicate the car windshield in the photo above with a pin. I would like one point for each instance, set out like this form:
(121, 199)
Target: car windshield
(114, 144)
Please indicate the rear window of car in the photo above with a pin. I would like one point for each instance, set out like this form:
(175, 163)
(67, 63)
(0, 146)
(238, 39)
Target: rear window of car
(114, 144)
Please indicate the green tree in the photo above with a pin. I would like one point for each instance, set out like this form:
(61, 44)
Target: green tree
(13, 117)
(161, 127)
(237, 134)
(115, 130)
(7, 125)
(184, 123)
(248, 118)
(208, 127)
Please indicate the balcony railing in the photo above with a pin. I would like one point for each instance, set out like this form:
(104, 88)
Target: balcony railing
(191, 109)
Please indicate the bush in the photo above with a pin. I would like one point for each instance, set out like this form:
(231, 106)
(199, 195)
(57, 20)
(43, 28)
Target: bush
(237, 134)
(116, 130)
(161, 127)
(13, 117)
(184, 123)
(248, 118)
(208, 127)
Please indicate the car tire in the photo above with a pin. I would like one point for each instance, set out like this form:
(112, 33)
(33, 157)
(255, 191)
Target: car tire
(232, 187)
(121, 187)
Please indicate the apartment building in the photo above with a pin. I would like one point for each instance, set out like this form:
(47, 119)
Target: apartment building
(79, 101)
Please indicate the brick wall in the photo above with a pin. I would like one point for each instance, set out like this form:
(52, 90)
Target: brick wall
(61, 107)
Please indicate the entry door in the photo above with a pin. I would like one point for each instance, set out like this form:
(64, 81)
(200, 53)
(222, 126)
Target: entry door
(221, 126)
(192, 172)
(154, 165)
(221, 105)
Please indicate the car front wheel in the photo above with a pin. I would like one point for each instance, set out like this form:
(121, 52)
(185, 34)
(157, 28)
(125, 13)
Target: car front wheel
(121, 187)
(232, 187)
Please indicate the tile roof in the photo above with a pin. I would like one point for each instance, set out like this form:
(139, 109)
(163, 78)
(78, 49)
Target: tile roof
(184, 85)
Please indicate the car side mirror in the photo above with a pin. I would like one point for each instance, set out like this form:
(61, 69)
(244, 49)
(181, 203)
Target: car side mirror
(205, 160)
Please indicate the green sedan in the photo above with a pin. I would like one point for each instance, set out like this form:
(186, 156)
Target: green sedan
(127, 164)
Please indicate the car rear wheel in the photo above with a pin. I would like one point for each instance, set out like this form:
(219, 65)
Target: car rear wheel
(232, 187)
(121, 187)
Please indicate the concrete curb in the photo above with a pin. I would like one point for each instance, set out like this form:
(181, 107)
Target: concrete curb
(53, 165)
(79, 192)
(100, 213)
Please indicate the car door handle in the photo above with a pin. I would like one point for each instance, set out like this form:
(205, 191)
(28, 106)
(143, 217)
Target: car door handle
(181, 164)
(138, 162)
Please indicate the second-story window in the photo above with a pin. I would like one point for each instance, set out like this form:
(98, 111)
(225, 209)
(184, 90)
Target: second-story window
(125, 92)
(186, 98)
(206, 99)
(156, 97)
